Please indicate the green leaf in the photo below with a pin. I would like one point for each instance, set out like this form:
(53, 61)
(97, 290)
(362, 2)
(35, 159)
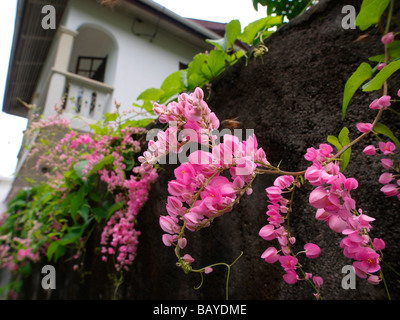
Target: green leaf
(382, 129)
(102, 163)
(232, 31)
(83, 211)
(110, 117)
(152, 94)
(196, 65)
(345, 156)
(382, 76)
(138, 123)
(76, 202)
(370, 13)
(252, 31)
(100, 212)
(377, 58)
(220, 44)
(216, 62)
(78, 167)
(51, 249)
(335, 142)
(116, 206)
(172, 85)
(339, 143)
(262, 2)
(363, 73)
(73, 235)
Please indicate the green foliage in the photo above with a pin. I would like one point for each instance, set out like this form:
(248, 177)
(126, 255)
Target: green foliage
(363, 73)
(339, 142)
(382, 76)
(286, 8)
(256, 31)
(370, 13)
(367, 77)
(382, 129)
(207, 66)
(56, 217)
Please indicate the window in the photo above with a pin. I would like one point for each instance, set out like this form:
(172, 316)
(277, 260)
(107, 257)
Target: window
(91, 67)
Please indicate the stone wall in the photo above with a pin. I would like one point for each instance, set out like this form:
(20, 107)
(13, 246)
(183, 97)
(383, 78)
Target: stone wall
(292, 99)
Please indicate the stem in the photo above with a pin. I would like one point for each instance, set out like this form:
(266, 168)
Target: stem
(280, 172)
(228, 266)
(391, 6)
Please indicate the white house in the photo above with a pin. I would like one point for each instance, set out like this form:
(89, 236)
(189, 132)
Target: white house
(95, 52)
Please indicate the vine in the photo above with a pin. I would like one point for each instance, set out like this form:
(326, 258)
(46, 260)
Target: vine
(56, 218)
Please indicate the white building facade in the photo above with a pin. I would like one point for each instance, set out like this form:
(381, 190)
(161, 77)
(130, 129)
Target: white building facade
(95, 56)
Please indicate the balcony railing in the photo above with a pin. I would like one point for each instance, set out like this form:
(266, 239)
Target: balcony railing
(85, 98)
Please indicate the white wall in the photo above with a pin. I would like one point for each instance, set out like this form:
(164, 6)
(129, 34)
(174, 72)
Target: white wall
(140, 64)
(5, 185)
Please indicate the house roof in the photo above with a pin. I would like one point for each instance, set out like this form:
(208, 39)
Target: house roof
(28, 52)
(31, 43)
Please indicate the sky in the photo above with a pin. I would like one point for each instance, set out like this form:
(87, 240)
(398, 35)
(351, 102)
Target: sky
(12, 127)
(216, 10)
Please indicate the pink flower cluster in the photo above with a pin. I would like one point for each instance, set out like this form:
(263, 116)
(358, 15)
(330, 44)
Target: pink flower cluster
(277, 213)
(334, 204)
(119, 236)
(391, 185)
(190, 116)
(199, 192)
(24, 253)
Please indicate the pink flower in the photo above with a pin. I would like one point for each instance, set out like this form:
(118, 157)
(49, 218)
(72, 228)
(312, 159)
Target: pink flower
(267, 232)
(312, 250)
(379, 244)
(312, 153)
(290, 277)
(288, 262)
(169, 224)
(336, 223)
(364, 127)
(387, 147)
(369, 259)
(374, 104)
(270, 255)
(390, 190)
(381, 66)
(318, 281)
(322, 215)
(319, 198)
(370, 150)
(208, 270)
(350, 184)
(188, 258)
(386, 178)
(373, 279)
(325, 149)
(168, 239)
(387, 163)
(384, 101)
(388, 38)
(284, 181)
